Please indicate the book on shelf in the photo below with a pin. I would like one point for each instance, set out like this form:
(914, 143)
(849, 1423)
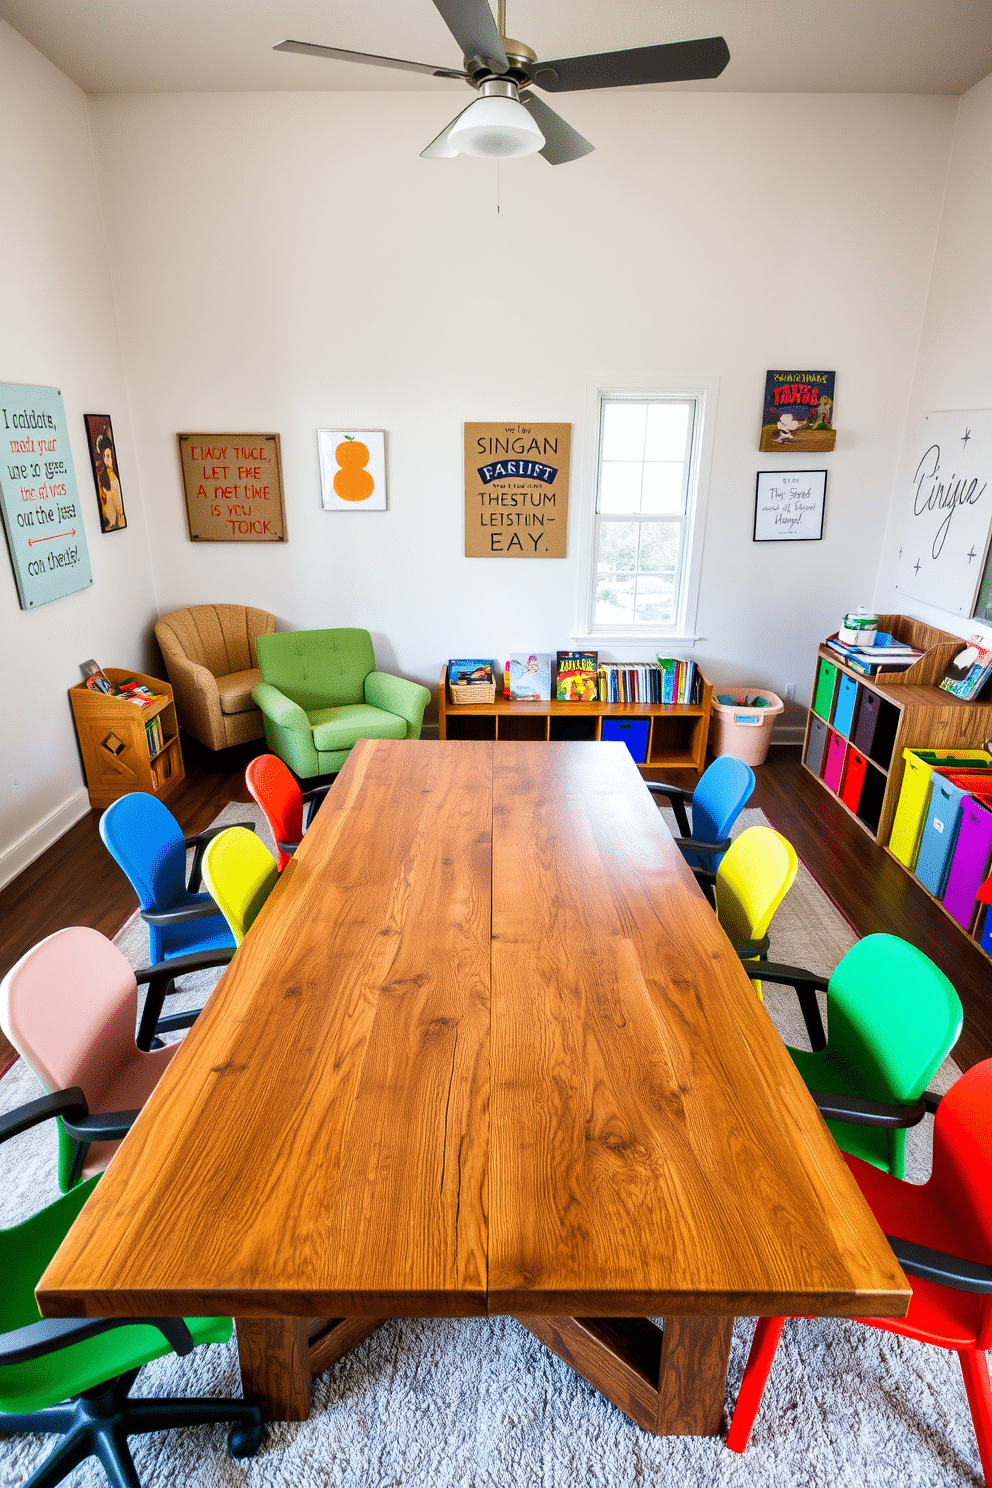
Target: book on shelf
(576, 676)
(153, 733)
(130, 690)
(469, 670)
(670, 682)
(529, 676)
(886, 654)
(969, 670)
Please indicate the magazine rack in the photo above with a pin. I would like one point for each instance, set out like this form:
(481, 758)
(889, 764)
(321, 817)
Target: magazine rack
(115, 743)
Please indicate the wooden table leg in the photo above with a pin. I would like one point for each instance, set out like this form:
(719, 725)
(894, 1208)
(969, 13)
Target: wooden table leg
(275, 1366)
(669, 1381)
(693, 1377)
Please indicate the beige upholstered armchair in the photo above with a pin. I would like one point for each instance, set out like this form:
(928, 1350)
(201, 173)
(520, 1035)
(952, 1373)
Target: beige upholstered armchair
(209, 653)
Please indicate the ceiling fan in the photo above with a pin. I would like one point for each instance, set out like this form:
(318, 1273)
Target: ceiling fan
(507, 119)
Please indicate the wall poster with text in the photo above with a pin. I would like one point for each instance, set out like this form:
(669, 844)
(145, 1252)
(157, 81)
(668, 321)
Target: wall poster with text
(38, 495)
(798, 412)
(516, 490)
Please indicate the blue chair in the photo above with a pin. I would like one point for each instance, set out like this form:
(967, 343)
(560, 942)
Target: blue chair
(723, 791)
(146, 841)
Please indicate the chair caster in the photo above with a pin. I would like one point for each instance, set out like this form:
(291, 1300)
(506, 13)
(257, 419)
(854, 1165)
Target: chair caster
(244, 1439)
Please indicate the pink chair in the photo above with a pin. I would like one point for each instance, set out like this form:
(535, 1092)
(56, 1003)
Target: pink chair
(69, 1007)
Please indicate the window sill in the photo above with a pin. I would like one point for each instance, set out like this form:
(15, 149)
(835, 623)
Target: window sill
(646, 637)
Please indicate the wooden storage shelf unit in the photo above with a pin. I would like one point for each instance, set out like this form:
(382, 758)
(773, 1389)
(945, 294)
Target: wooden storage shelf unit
(911, 712)
(114, 743)
(677, 732)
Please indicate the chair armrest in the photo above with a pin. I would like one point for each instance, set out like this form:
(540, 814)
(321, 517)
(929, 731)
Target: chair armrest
(288, 848)
(160, 979)
(689, 844)
(806, 986)
(280, 709)
(750, 950)
(678, 799)
(51, 1335)
(199, 843)
(71, 1102)
(946, 1270)
(311, 800)
(882, 1115)
(103, 1126)
(179, 916)
(398, 695)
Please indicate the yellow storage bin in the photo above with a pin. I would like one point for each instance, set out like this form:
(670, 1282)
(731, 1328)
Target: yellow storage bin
(914, 796)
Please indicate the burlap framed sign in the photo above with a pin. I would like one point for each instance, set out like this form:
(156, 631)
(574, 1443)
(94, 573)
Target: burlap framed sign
(233, 487)
(516, 490)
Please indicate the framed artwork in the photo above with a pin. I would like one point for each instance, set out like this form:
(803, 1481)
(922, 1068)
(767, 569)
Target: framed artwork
(232, 484)
(103, 459)
(788, 505)
(352, 469)
(798, 412)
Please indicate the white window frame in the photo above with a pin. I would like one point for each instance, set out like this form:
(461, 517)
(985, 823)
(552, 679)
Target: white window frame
(702, 392)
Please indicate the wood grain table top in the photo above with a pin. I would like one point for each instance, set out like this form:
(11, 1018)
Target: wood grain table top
(485, 1050)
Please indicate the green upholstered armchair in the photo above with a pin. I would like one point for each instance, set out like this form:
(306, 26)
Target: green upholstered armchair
(320, 693)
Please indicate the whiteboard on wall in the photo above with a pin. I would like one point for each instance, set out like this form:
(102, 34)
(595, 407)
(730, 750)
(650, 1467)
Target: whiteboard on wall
(947, 511)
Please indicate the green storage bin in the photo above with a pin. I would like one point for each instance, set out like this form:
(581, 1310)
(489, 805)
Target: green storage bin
(826, 684)
(914, 796)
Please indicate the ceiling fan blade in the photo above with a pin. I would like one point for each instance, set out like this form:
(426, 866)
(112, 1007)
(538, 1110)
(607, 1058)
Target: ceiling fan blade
(471, 24)
(311, 49)
(562, 143)
(670, 62)
(439, 149)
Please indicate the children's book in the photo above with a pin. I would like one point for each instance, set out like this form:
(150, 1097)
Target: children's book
(470, 669)
(576, 676)
(970, 669)
(530, 676)
(96, 678)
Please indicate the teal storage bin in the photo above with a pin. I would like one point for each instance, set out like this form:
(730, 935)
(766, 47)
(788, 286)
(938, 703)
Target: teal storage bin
(940, 833)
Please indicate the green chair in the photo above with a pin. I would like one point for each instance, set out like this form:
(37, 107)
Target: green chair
(72, 1376)
(320, 693)
(892, 1018)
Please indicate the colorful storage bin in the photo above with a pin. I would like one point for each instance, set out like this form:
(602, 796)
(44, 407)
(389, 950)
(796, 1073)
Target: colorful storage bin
(970, 864)
(816, 744)
(847, 696)
(833, 766)
(854, 779)
(940, 831)
(630, 731)
(914, 796)
(823, 697)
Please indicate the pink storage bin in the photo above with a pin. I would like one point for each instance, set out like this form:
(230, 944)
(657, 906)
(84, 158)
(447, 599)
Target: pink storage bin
(834, 767)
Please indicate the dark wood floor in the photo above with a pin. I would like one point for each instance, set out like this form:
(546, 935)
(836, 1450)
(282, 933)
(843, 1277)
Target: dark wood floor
(76, 882)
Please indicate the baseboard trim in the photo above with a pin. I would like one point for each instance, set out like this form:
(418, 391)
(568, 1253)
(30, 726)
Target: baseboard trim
(22, 853)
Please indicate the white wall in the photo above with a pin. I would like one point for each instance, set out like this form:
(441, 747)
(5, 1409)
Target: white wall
(286, 262)
(954, 369)
(58, 329)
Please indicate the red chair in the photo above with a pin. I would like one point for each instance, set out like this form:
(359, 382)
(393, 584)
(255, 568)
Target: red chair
(941, 1233)
(275, 788)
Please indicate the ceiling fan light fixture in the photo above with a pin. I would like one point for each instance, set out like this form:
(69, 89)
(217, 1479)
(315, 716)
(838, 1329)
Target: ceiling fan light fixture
(496, 125)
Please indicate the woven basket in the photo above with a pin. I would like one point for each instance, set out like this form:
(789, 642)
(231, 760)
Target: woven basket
(472, 692)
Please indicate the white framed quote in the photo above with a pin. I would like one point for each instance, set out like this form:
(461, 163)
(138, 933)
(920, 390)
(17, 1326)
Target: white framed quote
(788, 505)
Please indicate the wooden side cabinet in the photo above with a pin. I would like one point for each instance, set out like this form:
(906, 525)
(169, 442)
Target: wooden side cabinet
(677, 732)
(114, 740)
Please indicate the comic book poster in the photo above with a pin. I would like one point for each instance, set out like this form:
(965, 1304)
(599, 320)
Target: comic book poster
(798, 414)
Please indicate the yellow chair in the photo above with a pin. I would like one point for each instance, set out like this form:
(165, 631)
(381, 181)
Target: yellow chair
(756, 873)
(240, 874)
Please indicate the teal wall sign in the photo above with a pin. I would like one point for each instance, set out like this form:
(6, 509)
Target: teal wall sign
(38, 495)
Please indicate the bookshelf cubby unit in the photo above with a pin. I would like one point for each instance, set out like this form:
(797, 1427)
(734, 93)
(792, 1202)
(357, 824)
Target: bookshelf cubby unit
(677, 733)
(114, 743)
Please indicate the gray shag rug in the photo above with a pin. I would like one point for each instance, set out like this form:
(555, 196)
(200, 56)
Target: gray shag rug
(434, 1403)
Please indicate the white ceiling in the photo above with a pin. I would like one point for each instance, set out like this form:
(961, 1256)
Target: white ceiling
(776, 46)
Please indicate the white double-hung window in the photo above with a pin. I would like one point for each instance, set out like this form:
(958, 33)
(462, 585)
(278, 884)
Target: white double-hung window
(651, 472)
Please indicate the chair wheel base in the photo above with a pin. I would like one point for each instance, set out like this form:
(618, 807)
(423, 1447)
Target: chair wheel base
(244, 1440)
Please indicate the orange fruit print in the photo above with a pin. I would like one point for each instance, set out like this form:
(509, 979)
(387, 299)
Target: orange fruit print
(352, 482)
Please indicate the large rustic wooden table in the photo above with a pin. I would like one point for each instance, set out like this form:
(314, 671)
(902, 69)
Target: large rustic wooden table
(485, 1050)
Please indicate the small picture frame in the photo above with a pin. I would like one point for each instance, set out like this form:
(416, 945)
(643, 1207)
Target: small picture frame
(788, 505)
(103, 459)
(352, 469)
